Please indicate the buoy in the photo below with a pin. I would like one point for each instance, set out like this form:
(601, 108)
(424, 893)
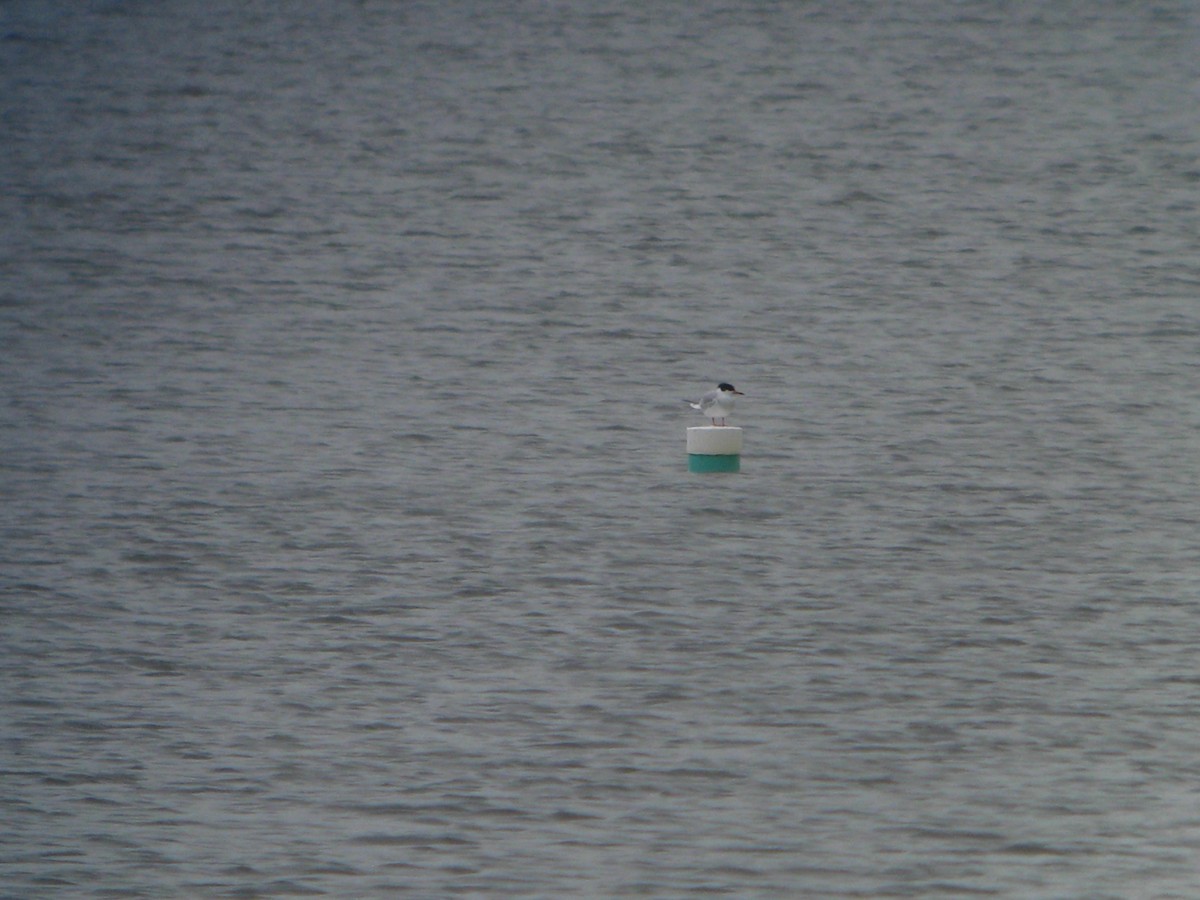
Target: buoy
(714, 448)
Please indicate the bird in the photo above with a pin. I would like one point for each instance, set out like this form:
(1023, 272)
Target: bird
(717, 404)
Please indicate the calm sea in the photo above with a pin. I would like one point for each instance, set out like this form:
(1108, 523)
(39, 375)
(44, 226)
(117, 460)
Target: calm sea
(347, 542)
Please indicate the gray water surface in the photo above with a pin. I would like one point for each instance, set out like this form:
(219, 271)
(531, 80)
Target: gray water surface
(347, 543)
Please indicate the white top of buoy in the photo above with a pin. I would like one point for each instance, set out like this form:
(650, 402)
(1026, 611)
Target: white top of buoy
(714, 440)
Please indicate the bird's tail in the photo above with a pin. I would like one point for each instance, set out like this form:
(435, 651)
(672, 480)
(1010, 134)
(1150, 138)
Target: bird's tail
(692, 404)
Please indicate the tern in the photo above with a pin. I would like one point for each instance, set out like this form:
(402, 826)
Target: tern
(717, 404)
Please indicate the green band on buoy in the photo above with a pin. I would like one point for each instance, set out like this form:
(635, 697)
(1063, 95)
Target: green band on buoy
(705, 462)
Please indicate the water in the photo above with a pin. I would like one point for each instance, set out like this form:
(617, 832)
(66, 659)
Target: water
(347, 545)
